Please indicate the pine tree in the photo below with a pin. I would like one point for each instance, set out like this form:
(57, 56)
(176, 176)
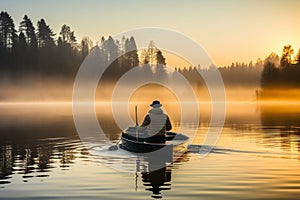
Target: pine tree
(86, 45)
(67, 36)
(28, 29)
(8, 33)
(45, 34)
(131, 53)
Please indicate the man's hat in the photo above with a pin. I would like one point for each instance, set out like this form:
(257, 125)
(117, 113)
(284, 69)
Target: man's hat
(156, 104)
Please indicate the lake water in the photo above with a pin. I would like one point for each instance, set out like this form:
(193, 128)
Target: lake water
(256, 157)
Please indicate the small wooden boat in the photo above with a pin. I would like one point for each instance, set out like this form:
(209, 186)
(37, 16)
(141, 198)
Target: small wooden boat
(134, 140)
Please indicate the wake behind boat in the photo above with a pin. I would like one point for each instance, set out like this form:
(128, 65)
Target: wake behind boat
(134, 139)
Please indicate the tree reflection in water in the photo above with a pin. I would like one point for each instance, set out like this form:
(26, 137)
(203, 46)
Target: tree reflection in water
(32, 149)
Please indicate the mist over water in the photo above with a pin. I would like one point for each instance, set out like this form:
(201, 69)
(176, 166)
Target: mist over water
(36, 89)
(60, 90)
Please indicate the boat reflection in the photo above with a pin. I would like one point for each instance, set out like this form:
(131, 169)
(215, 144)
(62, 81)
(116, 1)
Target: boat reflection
(157, 181)
(156, 174)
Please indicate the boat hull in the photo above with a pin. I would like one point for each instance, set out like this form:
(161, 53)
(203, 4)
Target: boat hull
(131, 142)
(139, 147)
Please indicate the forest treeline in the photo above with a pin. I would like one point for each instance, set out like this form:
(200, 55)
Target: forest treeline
(34, 50)
(38, 51)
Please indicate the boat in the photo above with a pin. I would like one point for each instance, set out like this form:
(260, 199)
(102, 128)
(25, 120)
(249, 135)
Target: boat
(134, 140)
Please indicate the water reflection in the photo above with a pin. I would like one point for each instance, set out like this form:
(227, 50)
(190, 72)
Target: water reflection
(34, 159)
(157, 181)
(283, 121)
(37, 141)
(258, 151)
(156, 174)
(32, 144)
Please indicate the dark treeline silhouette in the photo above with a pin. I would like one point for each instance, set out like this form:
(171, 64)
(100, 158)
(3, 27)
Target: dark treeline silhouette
(242, 74)
(280, 73)
(35, 51)
(237, 74)
(283, 72)
(124, 56)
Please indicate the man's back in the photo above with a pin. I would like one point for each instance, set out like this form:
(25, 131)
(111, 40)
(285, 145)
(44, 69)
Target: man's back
(157, 122)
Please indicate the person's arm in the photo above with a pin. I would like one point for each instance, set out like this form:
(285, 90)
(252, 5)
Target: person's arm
(146, 121)
(168, 124)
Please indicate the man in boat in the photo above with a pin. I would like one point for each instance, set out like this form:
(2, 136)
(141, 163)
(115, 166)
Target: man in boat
(157, 123)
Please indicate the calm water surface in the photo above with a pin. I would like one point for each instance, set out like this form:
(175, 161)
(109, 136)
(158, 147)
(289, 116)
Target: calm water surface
(256, 157)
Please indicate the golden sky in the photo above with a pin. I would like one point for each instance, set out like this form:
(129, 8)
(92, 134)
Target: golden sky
(230, 31)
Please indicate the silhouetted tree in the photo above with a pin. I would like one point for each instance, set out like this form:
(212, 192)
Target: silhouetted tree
(131, 52)
(28, 29)
(153, 57)
(8, 33)
(273, 58)
(46, 58)
(297, 58)
(8, 41)
(31, 51)
(86, 45)
(22, 53)
(269, 75)
(250, 64)
(109, 54)
(160, 58)
(111, 49)
(67, 50)
(149, 55)
(286, 57)
(161, 70)
(45, 34)
(67, 36)
(22, 44)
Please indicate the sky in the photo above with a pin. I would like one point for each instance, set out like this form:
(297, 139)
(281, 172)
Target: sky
(229, 31)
